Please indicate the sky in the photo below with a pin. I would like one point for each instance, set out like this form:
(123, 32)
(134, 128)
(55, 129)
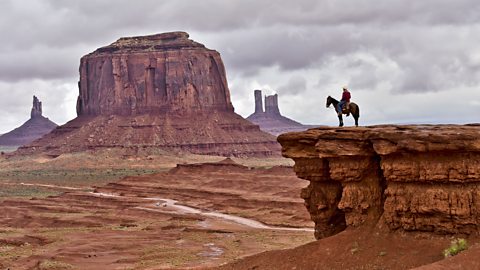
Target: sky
(404, 61)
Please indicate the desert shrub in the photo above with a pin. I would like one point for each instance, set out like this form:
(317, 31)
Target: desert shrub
(456, 247)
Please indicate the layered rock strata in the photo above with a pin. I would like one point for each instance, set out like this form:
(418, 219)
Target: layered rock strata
(158, 92)
(152, 74)
(36, 127)
(271, 120)
(412, 178)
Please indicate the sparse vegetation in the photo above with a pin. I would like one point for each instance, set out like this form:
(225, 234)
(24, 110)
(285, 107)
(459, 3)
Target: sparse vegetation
(25, 192)
(57, 265)
(458, 245)
(78, 177)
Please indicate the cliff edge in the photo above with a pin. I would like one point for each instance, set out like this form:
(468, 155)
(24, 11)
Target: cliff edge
(411, 178)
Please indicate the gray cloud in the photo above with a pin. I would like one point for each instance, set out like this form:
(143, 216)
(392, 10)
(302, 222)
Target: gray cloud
(299, 48)
(295, 85)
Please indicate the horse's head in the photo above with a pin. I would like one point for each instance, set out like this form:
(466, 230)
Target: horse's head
(329, 101)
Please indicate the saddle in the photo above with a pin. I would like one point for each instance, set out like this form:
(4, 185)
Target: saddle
(346, 108)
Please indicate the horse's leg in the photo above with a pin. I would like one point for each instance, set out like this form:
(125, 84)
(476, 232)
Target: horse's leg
(340, 120)
(356, 115)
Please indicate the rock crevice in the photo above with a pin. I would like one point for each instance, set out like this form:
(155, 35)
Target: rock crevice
(413, 178)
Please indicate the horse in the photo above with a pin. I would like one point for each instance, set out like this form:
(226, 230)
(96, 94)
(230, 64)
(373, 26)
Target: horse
(353, 109)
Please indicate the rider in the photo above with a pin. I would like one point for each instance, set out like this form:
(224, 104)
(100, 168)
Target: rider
(345, 98)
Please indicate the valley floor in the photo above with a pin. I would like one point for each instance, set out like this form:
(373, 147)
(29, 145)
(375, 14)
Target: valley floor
(82, 212)
(108, 211)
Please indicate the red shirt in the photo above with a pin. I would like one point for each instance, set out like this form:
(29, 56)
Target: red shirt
(346, 96)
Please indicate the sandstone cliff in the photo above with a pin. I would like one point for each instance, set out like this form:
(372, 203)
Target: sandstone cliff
(34, 128)
(271, 120)
(152, 74)
(158, 92)
(412, 178)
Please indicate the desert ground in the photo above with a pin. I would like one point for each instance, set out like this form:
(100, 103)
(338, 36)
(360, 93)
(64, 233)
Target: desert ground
(93, 211)
(90, 211)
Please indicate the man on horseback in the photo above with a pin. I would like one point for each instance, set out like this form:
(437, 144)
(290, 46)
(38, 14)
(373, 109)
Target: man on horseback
(338, 105)
(345, 100)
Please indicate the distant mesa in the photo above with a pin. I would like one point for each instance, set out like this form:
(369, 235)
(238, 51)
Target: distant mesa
(271, 120)
(157, 92)
(36, 127)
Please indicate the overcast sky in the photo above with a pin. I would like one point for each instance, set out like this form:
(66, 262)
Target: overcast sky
(405, 61)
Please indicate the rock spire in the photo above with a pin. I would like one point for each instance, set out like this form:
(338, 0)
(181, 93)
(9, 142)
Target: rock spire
(271, 120)
(36, 108)
(36, 127)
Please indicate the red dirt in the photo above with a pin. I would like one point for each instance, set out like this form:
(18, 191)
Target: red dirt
(82, 230)
(365, 249)
(129, 230)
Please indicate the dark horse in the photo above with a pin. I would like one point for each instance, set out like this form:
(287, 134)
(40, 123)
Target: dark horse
(354, 110)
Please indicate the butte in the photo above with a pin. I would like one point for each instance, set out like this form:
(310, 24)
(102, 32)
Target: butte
(155, 93)
(270, 120)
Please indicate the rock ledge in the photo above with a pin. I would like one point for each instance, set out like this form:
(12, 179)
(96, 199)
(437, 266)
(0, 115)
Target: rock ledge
(413, 178)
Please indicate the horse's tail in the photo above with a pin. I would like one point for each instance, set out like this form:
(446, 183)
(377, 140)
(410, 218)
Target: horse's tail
(358, 111)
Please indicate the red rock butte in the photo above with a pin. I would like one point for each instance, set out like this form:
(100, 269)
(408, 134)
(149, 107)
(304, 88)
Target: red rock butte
(152, 74)
(162, 91)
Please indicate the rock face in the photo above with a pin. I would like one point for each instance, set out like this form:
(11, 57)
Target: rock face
(152, 74)
(413, 178)
(36, 127)
(162, 91)
(271, 120)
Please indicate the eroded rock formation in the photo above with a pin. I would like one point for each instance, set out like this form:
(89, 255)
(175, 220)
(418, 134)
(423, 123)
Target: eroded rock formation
(158, 92)
(36, 127)
(152, 74)
(36, 108)
(271, 120)
(413, 178)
